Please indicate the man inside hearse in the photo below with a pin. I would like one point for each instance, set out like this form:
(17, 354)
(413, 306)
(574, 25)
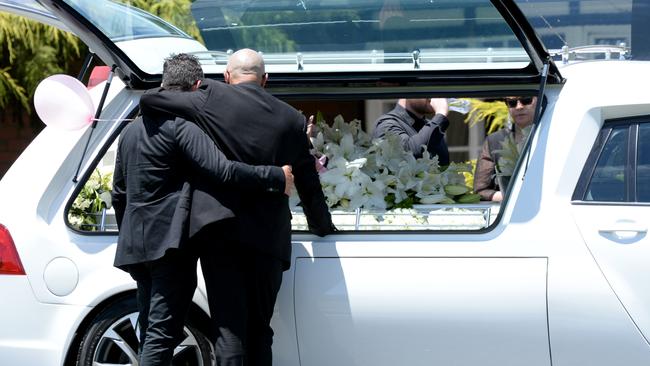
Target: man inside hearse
(408, 121)
(521, 111)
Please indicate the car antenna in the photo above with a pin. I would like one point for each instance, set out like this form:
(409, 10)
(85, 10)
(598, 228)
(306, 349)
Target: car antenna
(98, 112)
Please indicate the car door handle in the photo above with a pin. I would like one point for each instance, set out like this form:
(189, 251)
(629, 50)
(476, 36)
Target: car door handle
(627, 228)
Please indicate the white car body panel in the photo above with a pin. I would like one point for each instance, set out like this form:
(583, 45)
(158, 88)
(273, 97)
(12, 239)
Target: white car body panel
(421, 311)
(621, 252)
(35, 332)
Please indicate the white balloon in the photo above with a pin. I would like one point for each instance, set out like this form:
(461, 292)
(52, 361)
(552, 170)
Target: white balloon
(62, 101)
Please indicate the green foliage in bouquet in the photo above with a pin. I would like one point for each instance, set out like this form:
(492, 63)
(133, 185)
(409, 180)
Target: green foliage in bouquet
(366, 173)
(509, 153)
(469, 176)
(94, 196)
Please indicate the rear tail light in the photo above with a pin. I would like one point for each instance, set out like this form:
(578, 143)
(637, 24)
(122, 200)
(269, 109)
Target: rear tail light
(9, 260)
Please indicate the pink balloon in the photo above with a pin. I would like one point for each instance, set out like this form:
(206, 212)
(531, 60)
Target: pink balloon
(62, 101)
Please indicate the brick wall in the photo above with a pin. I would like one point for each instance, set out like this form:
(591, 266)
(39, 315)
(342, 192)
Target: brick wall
(16, 132)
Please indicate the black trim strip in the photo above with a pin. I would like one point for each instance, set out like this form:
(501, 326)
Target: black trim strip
(590, 164)
(630, 167)
(98, 113)
(536, 117)
(86, 66)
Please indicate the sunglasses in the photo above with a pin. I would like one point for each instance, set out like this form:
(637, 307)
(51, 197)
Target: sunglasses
(512, 102)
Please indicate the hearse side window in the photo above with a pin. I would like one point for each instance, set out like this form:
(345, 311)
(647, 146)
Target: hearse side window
(618, 167)
(608, 180)
(381, 187)
(91, 210)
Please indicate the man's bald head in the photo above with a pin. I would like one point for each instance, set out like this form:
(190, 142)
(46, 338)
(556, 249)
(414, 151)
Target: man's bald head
(245, 65)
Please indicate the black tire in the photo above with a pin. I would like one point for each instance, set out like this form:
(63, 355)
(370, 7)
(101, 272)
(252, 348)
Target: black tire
(111, 339)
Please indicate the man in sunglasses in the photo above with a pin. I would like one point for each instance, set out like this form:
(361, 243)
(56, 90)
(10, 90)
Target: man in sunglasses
(522, 112)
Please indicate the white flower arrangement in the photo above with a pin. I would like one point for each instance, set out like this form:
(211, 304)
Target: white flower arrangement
(380, 173)
(377, 185)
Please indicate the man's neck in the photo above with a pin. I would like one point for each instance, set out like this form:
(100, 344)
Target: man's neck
(245, 79)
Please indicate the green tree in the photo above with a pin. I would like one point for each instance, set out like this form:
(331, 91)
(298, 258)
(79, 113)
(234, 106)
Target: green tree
(31, 52)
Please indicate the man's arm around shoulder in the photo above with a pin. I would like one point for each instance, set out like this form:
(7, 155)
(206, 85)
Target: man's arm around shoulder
(209, 161)
(185, 104)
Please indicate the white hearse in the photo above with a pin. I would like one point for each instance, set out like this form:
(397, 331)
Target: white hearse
(557, 274)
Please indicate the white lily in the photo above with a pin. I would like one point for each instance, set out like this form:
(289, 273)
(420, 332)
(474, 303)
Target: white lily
(429, 185)
(453, 174)
(331, 197)
(347, 147)
(318, 142)
(356, 164)
(375, 194)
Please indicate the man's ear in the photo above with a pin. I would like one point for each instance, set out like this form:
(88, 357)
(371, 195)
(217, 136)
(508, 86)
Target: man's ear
(265, 78)
(196, 85)
(226, 76)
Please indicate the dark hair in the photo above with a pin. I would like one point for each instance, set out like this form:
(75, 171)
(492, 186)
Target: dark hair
(181, 71)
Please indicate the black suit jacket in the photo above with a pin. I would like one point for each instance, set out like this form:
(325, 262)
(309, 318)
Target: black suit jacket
(252, 126)
(157, 160)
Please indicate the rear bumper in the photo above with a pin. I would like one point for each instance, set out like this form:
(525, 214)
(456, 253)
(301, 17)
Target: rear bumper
(31, 332)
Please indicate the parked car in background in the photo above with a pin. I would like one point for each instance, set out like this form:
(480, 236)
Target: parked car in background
(556, 274)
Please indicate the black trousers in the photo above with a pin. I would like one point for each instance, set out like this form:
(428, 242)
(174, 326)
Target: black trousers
(165, 290)
(242, 288)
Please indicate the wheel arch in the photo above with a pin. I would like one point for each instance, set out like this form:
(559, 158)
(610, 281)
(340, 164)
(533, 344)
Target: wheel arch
(196, 315)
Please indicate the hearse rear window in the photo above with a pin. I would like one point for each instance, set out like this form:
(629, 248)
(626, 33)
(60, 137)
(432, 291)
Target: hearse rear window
(380, 34)
(333, 35)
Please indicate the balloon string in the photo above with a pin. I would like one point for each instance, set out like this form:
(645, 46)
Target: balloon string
(113, 120)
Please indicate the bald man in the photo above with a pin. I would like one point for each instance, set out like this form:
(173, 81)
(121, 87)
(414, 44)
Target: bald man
(243, 267)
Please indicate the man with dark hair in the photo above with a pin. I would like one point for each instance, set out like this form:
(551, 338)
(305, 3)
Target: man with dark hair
(158, 162)
(408, 121)
(180, 73)
(243, 272)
